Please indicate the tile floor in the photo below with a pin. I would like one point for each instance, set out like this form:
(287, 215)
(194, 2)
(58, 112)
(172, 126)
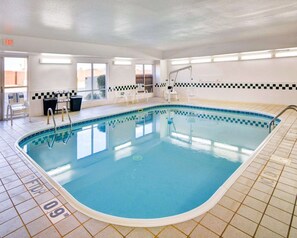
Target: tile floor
(261, 203)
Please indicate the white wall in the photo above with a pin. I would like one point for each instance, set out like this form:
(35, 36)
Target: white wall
(121, 75)
(48, 78)
(161, 76)
(282, 70)
(54, 77)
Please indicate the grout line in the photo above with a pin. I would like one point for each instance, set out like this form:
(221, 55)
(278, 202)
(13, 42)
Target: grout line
(273, 188)
(241, 203)
(294, 207)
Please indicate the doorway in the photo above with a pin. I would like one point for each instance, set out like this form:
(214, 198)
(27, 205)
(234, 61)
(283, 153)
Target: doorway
(13, 79)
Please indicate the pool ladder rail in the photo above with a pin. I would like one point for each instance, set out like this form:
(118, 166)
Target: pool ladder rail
(51, 113)
(272, 122)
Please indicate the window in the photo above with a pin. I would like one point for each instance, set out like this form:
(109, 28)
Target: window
(91, 80)
(144, 75)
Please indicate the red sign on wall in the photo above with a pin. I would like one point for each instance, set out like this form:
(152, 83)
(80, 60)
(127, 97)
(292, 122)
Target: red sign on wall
(8, 42)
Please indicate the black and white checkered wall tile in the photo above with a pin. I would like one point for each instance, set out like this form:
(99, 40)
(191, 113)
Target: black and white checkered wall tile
(42, 95)
(267, 86)
(122, 88)
(160, 85)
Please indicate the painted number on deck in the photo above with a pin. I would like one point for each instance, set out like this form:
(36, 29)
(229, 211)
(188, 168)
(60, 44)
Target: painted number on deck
(35, 187)
(54, 210)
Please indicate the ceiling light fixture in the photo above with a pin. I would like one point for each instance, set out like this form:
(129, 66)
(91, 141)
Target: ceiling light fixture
(55, 55)
(256, 55)
(225, 58)
(55, 61)
(179, 62)
(122, 62)
(201, 60)
(286, 53)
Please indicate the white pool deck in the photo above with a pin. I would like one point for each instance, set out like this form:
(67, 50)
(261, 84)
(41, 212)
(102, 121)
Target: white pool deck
(261, 203)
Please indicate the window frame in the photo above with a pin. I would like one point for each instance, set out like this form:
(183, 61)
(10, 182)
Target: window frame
(93, 90)
(144, 78)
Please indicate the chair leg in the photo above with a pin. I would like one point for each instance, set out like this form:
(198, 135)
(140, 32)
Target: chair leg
(7, 112)
(11, 116)
(11, 120)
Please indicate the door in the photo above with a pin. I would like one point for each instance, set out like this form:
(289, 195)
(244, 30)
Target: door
(13, 79)
(1, 88)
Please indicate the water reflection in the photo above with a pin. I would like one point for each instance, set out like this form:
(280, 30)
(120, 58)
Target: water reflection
(91, 140)
(233, 137)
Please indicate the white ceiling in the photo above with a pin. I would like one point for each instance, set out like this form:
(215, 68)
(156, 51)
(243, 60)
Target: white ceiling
(159, 24)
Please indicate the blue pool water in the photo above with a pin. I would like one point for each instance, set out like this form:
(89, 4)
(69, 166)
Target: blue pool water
(159, 162)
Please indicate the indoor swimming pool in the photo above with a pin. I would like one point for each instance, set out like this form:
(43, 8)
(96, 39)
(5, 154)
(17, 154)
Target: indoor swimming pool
(155, 166)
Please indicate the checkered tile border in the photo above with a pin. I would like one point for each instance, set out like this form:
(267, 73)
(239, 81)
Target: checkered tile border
(42, 95)
(122, 88)
(223, 118)
(270, 86)
(161, 85)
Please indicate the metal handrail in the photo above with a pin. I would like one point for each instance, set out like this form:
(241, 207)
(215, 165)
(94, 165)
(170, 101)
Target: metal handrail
(67, 112)
(271, 123)
(70, 121)
(177, 70)
(50, 112)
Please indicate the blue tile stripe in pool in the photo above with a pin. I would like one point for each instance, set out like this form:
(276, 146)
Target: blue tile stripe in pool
(167, 106)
